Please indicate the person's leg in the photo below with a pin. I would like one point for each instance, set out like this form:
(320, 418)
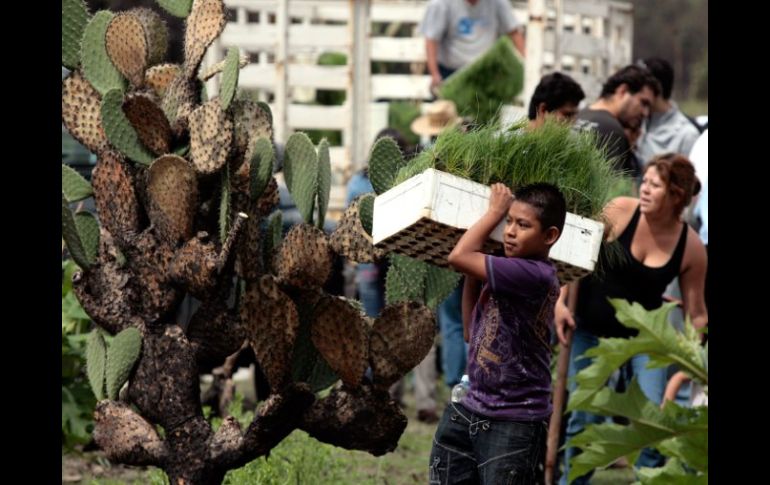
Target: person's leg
(369, 288)
(425, 387)
(453, 355)
(509, 451)
(653, 385)
(396, 391)
(581, 341)
(676, 318)
(451, 457)
(708, 279)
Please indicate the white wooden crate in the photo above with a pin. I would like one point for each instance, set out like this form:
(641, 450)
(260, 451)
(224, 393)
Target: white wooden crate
(424, 217)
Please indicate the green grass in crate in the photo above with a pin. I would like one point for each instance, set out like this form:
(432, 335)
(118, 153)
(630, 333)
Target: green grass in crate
(555, 153)
(494, 79)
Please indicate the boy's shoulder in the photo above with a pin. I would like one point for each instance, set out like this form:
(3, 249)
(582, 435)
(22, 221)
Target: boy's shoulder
(534, 272)
(527, 261)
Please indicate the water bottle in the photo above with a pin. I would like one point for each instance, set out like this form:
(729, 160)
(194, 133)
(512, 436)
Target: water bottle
(461, 389)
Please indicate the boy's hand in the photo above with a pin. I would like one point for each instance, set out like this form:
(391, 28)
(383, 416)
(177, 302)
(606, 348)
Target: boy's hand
(500, 200)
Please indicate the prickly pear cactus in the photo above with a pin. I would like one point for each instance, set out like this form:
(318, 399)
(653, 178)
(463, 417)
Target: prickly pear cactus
(384, 162)
(183, 187)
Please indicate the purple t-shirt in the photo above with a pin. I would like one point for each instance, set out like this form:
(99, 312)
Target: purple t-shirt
(510, 351)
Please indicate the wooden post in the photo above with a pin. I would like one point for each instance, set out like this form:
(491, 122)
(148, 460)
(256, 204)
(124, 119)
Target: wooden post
(533, 64)
(361, 78)
(559, 393)
(558, 30)
(281, 101)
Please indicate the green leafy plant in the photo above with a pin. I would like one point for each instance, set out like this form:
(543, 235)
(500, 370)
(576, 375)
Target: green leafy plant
(677, 432)
(494, 79)
(78, 401)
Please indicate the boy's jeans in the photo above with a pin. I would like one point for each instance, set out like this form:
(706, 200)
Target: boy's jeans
(469, 448)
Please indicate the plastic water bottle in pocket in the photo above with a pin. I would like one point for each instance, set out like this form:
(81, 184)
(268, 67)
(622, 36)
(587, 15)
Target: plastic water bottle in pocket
(461, 389)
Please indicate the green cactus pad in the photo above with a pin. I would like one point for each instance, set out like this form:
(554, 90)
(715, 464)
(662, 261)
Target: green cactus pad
(177, 8)
(262, 159)
(405, 280)
(273, 236)
(439, 283)
(88, 231)
(96, 362)
(206, 21)
(300, 169)
(97, 66)
(71, 237)
(384, 163)
(266, 108)
(74, 18)
(324, 181)
(366, 212)
(224, 205)
(73, 185)
(128, 46)
(230, 77)
(119, 130)
(121, 356)
(155, 31)
(307, 363)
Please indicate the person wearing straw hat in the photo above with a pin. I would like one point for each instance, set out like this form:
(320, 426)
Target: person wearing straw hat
(438, 115)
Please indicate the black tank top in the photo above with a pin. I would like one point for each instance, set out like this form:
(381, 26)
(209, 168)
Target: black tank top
(630, 280)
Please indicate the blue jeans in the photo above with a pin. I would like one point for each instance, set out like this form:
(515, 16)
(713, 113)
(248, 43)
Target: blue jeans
(676, 319)
(370, 289)
(472, 449)
(454, 350)
(652, 382)
(445, 71)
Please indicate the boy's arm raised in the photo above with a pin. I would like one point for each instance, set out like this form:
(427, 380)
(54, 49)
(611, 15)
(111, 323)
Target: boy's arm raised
(467, 257)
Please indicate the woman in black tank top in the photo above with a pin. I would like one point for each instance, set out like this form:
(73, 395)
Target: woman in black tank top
(658, 246)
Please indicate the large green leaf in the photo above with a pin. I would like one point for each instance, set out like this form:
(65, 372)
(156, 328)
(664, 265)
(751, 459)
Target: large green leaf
(673, 473)
(681, 433)
(676, 431)
(657, 338)
(667, 345)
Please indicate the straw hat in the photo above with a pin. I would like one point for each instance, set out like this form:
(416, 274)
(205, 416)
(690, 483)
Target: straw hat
(439, 115)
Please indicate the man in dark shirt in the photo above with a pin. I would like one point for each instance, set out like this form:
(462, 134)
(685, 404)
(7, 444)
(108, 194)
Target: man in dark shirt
(625, 99)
